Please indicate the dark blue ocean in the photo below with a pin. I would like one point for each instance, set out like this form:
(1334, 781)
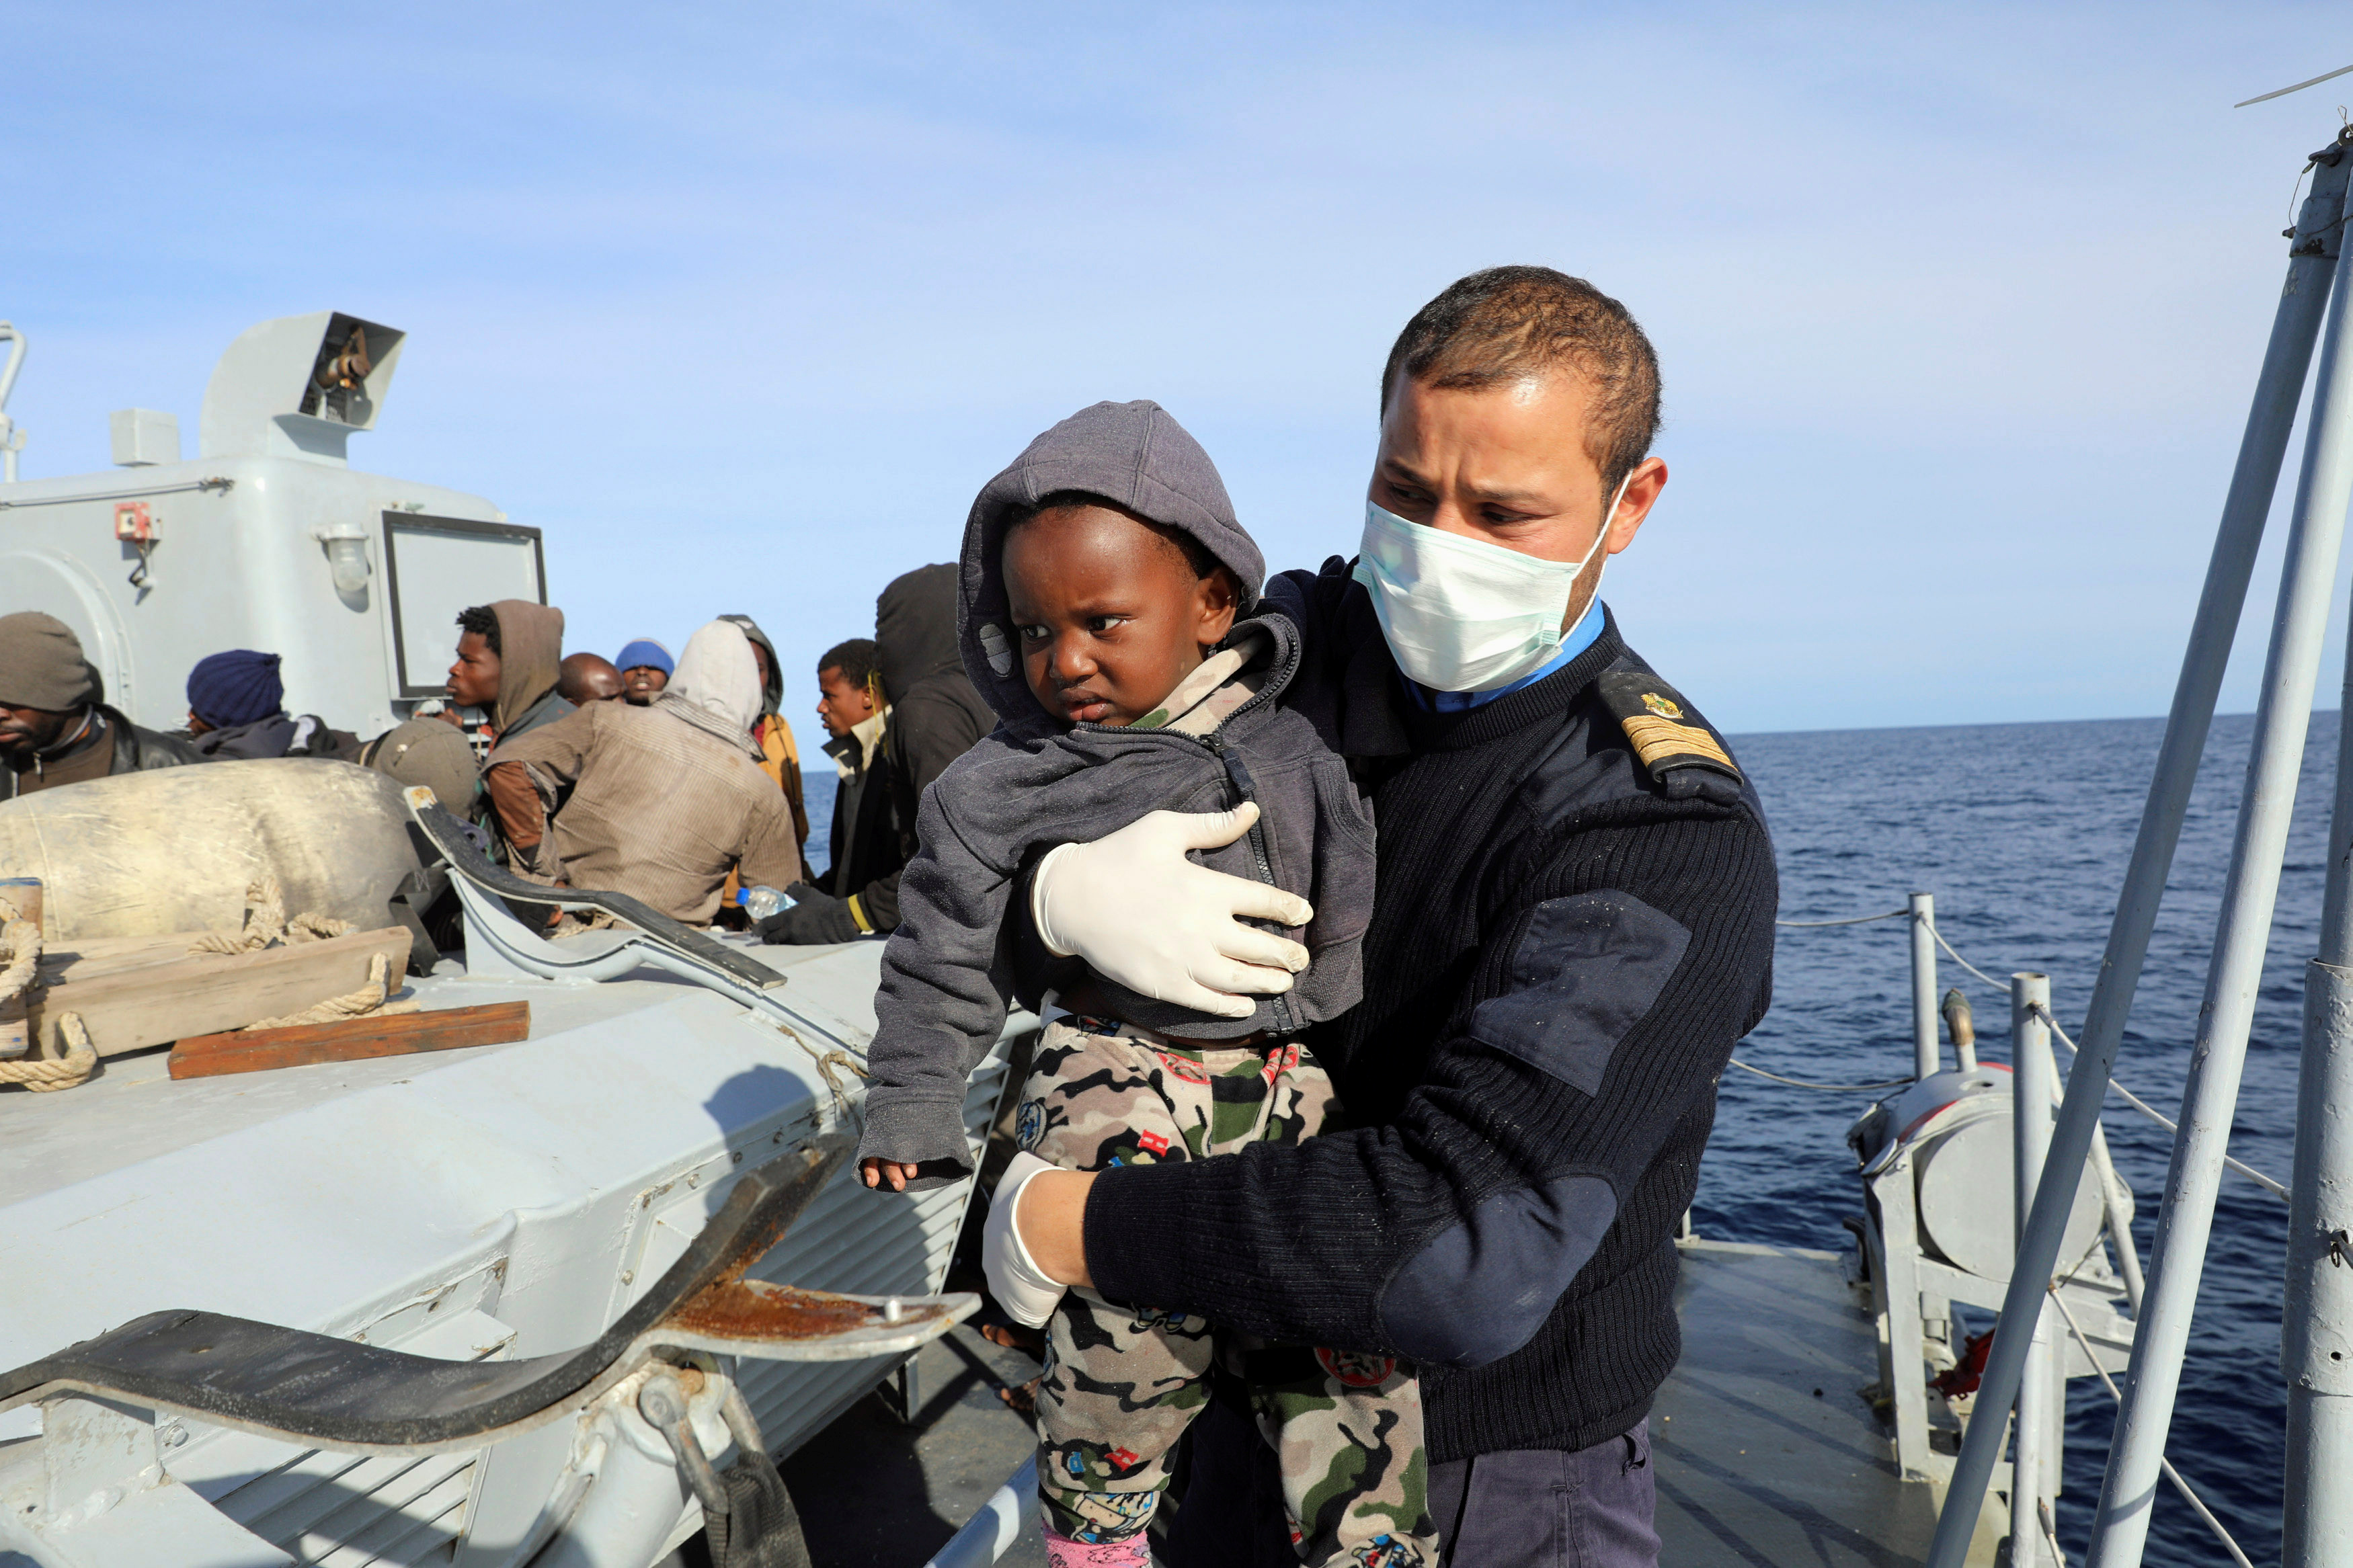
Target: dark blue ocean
(2021, 832)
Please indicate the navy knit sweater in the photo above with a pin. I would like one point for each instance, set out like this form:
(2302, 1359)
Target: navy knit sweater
(1565, 948)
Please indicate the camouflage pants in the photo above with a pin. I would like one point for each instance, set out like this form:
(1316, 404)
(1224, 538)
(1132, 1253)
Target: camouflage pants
(1122, 1384)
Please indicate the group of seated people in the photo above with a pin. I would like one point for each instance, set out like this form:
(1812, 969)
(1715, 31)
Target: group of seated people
(674, 781)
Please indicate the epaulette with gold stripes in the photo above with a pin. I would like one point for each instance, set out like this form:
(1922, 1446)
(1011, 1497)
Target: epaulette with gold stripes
(1663, 731)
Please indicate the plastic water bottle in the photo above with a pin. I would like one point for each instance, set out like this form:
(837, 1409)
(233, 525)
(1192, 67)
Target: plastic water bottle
(762, 902)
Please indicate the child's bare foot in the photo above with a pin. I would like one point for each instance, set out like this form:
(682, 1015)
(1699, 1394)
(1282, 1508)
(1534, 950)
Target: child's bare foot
(1014, 1337)
(1022, 1400)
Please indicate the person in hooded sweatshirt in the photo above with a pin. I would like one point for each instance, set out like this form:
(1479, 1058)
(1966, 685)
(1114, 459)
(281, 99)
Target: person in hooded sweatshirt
(665, 800)
(780, 756)
(1107, 611)
(237, 710)
(936, 716)
(510, 660)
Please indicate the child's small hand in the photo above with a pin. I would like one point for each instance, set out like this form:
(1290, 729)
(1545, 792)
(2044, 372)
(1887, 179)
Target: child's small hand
(876, 1172)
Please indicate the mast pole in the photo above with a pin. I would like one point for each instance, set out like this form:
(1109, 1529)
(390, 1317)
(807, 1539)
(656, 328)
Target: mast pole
(2317, 1322)
(2177, 1260)
(2041, 1401)
(2312, 262)
(1925, 1052)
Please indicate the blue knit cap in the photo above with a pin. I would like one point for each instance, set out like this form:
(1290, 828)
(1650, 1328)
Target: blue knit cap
(235, 688)
(647, 652)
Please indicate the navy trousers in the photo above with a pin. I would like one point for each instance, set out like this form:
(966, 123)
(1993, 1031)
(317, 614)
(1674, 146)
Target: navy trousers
(1543, 1508)
(1528, 1508)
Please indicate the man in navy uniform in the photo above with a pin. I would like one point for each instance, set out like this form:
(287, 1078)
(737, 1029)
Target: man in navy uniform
(1573, 925)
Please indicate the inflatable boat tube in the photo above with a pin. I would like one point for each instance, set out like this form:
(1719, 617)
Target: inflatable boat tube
(173, 849)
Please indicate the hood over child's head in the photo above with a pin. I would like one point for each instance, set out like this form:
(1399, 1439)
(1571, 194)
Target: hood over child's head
(1098, 569)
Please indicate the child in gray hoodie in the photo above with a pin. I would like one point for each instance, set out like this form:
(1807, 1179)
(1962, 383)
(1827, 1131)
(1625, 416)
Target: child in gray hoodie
(1106, 614)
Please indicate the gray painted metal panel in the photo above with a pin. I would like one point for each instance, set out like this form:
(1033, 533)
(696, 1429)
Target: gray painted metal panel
(506, 1200)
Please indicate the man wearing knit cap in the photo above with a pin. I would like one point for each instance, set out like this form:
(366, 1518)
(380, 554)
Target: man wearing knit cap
(646, 668)
(54, 728)
(237, 710)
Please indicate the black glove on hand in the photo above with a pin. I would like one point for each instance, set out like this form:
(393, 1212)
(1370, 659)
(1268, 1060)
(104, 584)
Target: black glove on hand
(814, 917)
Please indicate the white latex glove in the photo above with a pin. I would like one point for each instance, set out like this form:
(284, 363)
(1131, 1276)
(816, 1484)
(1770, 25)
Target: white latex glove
(1146, 916)
(1020, 1286)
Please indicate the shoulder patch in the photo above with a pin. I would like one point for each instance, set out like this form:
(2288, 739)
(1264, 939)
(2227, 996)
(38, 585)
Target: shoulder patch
(1659, 724)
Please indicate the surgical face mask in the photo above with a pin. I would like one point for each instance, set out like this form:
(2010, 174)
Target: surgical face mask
(1463, 615)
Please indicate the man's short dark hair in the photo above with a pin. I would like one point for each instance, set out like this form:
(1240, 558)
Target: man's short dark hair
(483, 622)
(1510, 322)
(854, 658)
(1196, 554)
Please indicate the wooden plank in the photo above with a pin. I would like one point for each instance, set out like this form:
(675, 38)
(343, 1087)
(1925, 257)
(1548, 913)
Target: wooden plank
(354, 1039)
(90, 957)
(131, 1010)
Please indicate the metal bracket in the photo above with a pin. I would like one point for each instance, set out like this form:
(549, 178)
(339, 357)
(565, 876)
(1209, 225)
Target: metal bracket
(766, 1529)
(662, 1401)
(902, 1393)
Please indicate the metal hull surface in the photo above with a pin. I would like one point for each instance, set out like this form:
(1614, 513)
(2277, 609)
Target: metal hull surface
(501, 1201)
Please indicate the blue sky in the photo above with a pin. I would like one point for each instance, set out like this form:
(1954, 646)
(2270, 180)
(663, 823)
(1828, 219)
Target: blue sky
(1959, 307)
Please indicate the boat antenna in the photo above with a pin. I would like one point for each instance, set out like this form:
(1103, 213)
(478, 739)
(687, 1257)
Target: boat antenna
(12, 440)
(2299, 87)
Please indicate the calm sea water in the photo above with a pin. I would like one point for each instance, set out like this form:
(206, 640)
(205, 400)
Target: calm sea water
(2022, 832)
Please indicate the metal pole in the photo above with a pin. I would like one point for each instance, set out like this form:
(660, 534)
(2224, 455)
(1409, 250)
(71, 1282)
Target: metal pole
(2317, 1321)
(1924, 1060)
(2115, 1200)
(2032, 1083)
(2178, 1259)
(12, 440)
(2312, 259)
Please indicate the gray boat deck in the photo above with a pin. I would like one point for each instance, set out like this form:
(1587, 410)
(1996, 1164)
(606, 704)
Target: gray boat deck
(1767, 1446)
(874, 1490)
(1767, 1450)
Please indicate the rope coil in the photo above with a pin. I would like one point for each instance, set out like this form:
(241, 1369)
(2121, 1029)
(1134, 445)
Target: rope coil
(44, 1069)
(46, 1073)
(366, 1002)
(65, 1057)
(267, 924)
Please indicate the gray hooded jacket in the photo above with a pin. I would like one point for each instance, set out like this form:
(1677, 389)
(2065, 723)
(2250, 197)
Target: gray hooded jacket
(1036, 782)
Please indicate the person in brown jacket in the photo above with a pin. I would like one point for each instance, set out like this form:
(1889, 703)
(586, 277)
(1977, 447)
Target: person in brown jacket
(510, 659)
(666, 799)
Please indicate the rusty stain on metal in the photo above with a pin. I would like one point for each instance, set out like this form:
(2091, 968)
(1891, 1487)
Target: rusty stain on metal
(732, 1306)
(755, 1309)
